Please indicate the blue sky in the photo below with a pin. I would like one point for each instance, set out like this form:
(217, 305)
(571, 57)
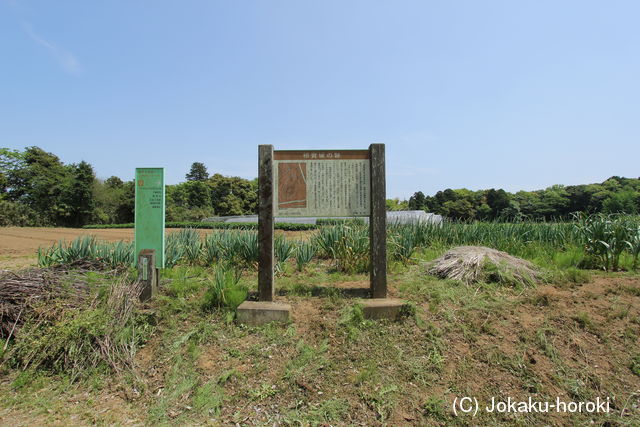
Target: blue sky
(476, 94)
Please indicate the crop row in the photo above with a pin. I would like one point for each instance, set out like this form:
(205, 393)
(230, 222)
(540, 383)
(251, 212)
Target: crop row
(602, 238)
(286, 226)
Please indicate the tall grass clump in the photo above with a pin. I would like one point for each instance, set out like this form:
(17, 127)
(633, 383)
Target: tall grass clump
(346, 245)
(283, 249)
(189, 240)
(402, 242)
(244, 248)
(224, 289)
(86, 248)
(213, 248)
(304, 253)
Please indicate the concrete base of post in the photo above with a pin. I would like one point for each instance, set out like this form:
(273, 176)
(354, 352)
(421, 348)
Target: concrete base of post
(383, 308)
(256, 313)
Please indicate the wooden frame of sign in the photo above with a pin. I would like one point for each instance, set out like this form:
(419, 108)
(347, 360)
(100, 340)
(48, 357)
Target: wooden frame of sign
(322, 183)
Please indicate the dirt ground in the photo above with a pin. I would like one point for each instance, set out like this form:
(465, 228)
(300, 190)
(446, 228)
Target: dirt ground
(18, 245)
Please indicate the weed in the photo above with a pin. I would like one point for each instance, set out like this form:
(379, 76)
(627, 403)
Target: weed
(326, 413)
(584, 320)
(635, 365)
(304, 253)
(381, 400)
(224, 290)
(207, 399)
(434, 408)
(308, 360)
(263, 392)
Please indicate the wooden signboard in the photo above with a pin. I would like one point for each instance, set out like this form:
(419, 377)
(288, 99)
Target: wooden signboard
(322, 183)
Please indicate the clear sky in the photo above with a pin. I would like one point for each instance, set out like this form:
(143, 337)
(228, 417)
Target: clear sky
(477, 94)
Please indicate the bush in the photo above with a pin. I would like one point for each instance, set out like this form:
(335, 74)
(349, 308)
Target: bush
(19, 215)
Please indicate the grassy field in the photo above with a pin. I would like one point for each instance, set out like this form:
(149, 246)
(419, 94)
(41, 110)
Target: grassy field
(573, 337)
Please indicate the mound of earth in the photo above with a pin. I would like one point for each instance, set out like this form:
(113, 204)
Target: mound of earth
(472, 264)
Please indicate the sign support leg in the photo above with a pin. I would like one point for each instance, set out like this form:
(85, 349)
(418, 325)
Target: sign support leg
(265, 222)
(378, 223)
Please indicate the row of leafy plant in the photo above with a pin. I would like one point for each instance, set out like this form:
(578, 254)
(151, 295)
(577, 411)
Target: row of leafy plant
(602, 239)
(285, 226)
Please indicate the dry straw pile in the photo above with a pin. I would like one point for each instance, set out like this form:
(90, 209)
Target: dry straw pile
(473, 264)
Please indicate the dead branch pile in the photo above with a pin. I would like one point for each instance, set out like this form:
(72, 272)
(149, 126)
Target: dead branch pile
(23, 290)
(20, 292)
(472, 264)
(66, 321)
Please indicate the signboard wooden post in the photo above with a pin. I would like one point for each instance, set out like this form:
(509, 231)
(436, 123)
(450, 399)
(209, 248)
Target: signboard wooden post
(265, 222)
(378, 223)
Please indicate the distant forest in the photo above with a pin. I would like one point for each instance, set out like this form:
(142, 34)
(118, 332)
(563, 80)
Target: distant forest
(38, 189)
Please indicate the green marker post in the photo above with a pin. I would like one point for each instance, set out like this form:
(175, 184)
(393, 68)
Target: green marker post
(150, 212)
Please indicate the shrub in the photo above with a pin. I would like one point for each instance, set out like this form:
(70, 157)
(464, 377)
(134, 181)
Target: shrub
(19, 215)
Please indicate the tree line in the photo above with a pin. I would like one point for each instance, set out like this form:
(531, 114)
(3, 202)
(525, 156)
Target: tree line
(37, 188)
(615, 195)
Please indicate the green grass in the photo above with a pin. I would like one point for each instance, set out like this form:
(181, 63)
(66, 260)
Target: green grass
(330, 365)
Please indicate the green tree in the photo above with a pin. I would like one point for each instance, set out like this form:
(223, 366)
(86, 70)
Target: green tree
(198, 172)
(498, 200)
(625, 201)
(460, 209)
(41, 184)
(113, 182)
(418, 201)
(233, 195)
(396, 204)
(79, 194)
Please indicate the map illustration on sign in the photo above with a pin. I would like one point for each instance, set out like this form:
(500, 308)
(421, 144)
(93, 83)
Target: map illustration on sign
(292, 186)
(322, 183)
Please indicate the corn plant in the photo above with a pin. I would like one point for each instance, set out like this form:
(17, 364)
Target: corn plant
(634, 245)
(606, 236)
